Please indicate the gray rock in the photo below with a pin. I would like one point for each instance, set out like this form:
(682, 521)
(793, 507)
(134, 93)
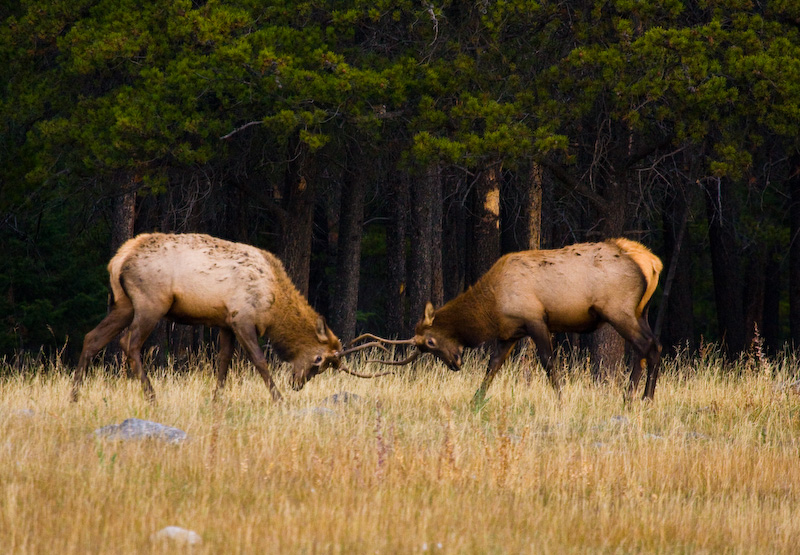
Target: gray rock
(177, 535)
(134, 428)
(342, 397)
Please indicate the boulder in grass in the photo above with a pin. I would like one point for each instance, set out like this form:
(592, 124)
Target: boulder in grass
(342, 397)
(134, 428)
(178, 535)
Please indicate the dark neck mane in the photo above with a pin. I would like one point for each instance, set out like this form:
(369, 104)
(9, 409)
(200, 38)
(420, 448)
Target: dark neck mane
(470, 318)
(294, 331)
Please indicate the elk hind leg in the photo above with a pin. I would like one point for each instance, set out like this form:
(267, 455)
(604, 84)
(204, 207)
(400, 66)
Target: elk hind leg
(638, 333)
(140, 330)
(115, 321)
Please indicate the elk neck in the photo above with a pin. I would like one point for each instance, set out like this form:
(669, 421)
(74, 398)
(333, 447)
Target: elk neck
(293, 319)
(471, 318)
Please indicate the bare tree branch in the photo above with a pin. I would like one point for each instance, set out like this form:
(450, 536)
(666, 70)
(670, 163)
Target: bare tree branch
(242, 128)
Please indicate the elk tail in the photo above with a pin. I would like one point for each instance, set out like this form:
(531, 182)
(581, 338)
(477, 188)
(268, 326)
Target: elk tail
(649, 263)
(118, 261)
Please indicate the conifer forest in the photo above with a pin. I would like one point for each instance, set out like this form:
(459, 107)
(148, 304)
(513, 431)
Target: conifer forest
(390, 152)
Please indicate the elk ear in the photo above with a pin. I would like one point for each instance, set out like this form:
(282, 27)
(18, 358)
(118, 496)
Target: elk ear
(429, 314)
(321, 330)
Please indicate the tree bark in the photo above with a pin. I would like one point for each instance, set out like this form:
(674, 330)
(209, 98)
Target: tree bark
(608, 347)
(420, 278)
(396, 256)
(123, 217)
(726, 266)
(437, 277)
(453, 238)
(793, 183)
(348, 260)
(771, 329)
(485, 245)
(521, 210)
(534, 206)
(298, 206)
(678, 323)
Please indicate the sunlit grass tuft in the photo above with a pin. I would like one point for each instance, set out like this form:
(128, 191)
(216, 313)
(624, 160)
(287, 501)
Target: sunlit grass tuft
(408, 465)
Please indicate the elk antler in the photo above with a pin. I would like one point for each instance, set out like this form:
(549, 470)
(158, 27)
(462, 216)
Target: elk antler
(378, 342)
(412, 357)
(349, 349)
(381, 339)
(344, 368)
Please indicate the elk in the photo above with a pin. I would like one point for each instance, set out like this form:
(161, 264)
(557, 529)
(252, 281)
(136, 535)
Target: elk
(199, 279)
(535, 293)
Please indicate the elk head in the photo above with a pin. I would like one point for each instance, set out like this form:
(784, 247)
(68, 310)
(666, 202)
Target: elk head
(323, 354)
(430, 338)
(328, 354)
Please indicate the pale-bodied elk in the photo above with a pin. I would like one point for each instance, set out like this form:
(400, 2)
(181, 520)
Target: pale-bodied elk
(198, 279)
(535, 293)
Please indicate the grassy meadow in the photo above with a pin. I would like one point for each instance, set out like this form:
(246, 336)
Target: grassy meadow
(713, 465)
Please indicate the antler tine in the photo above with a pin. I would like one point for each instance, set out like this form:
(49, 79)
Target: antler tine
(381, 339)
(344, 368)
(412, 357)
(361, 347)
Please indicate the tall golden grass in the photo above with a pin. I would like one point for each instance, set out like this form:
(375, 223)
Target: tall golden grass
(712, 465)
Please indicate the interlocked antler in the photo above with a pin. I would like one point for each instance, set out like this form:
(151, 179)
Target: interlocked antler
(379, 343)
(345, 369)
(381, 340)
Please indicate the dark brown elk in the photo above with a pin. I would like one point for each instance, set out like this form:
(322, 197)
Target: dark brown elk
(536, 293)
(199, 279)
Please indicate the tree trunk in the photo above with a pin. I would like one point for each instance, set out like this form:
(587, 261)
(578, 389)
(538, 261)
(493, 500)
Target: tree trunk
(396, 256)
(793, 182)
(677, 304)
(534, 206)
(453, 238)
(485, 245)
(771, 328)
(608, 347)
(348, 260)
(437, 277)
(421, 256)
(298, 205)
(123, 217)
(521, 210)
(753, 301)
(726, 266)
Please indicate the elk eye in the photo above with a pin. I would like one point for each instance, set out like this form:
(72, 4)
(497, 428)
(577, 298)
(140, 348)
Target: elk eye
(431, 342)
(318, 360)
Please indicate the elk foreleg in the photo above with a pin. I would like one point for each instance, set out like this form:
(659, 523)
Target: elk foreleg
(248, 337)
(120, 316)
(499, 355)
(540, 333)
(226, 339)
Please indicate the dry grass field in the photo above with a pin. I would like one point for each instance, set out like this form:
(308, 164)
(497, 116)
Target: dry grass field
(713, 465)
